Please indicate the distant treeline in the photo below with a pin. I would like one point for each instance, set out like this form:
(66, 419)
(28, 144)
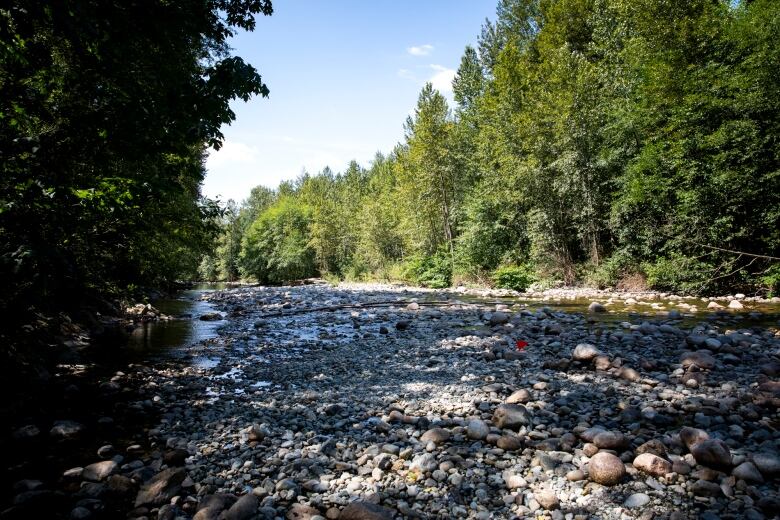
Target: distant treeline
(613, 142)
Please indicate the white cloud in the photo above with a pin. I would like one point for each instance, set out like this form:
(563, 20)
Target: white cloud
(233, 153)
(420, 50)
(442, 78)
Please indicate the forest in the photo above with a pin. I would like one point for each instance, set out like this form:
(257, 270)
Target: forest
(611, 143)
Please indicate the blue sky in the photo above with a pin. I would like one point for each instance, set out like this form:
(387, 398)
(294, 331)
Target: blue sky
(343, 75)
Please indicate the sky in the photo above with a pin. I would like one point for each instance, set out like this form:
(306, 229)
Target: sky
(343, 76)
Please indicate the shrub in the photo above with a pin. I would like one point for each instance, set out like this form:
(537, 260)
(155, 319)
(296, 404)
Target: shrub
(516, 277)
(433, 271)
(770, 280)
(611, 271)
(678, 274)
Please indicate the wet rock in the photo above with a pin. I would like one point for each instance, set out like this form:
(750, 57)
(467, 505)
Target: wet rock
(652, 464)
(606, 469)
(211, 316)
(596, 307)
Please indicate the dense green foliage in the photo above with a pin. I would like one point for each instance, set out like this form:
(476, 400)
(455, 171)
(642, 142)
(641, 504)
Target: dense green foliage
(106, 110)
(614, 142)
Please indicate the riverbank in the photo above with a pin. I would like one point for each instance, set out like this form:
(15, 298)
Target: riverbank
(429, 404)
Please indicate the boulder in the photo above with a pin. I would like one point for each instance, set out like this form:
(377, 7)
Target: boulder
(596, 307)
(690, 436)
(499, 318)
(611, 441)
(67, 430)
(584, 352)
(511, 416)
(652, 465)
(244, 508)
(161, 488)
(700, 358)
(100, 470)
(477, 430)
(712, 453)
(435, 435)
(748, 472)
(366, 511)
(606, 469)
(521, 396)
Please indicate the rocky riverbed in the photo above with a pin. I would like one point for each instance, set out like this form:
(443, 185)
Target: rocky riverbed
(374, 402)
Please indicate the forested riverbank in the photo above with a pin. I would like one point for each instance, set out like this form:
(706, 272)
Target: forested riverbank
(606, 143)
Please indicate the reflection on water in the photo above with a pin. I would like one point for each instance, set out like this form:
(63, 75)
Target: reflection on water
(185, 329)
(691, 310)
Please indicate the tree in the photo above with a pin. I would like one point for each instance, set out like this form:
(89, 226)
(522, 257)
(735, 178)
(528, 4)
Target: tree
(106, 109)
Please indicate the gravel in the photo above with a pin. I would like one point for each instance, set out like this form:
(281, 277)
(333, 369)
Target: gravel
(419, 403)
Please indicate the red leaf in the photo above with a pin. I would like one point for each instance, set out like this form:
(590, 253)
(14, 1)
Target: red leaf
(521, 344)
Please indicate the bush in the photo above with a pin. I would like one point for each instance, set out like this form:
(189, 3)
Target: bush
(433, 271)
(770, 281)
(678, 274)
(611, 271)
(516, 277)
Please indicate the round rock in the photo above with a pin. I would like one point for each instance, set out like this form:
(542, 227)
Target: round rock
(606, 469)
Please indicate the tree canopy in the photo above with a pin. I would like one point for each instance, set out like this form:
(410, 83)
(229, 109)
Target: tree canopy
(610, 142)
(106, 111)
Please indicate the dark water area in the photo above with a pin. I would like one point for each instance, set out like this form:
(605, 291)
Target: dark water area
(183, 330)
(692, 311)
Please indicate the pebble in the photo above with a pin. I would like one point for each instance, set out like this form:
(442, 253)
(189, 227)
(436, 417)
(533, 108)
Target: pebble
(386, 411)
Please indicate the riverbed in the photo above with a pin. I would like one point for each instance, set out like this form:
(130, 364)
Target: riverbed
(375, 401)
